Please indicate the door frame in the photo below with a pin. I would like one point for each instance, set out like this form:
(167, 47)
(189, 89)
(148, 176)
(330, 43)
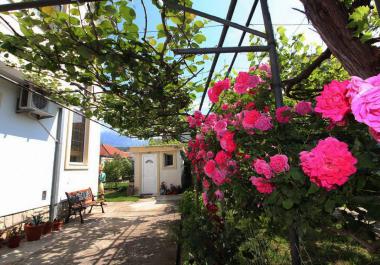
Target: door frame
(142, 172)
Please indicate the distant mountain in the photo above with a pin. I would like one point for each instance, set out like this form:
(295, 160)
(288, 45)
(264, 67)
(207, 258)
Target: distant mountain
(114, 139)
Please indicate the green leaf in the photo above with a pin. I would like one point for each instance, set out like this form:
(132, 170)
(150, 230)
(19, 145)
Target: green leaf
(199, 38)
(287, 204)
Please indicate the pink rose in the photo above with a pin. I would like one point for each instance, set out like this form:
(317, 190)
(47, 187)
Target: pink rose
(219, 177)
(227, 142)
(303, 108)
(279, 163)
(366, 107)
(220, 127)
(262, 185)
(225, 107)
(249, 118)
(205, 184)
(329, 164)
(244, 81)
(283, 114)
(210, 154)
(266, 68)
(374, 134)
(332, 103)
(219, 195)
(217, 89)
(263, 123)
(358, 85)
(191, 121)
(262, 168)
(210, 168)
(221, 158)
(249, 106)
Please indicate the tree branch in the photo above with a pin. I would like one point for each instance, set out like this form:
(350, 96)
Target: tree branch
(288, 84)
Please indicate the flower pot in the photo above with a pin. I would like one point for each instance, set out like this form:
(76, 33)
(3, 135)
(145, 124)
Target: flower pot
(33, 232)
(14, 242)
(48, 226)
(57, 225)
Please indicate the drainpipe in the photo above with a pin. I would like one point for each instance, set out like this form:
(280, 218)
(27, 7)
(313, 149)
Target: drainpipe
(55, 179)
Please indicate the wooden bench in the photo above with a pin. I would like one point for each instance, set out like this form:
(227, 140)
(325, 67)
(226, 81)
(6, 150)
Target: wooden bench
(80, 200)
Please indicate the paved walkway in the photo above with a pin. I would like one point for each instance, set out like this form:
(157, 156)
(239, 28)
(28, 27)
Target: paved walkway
(128, 233)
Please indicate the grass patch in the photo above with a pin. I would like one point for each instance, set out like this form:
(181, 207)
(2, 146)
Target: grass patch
(120, 196)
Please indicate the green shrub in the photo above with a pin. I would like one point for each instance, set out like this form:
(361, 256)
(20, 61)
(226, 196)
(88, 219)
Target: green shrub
(118, 169)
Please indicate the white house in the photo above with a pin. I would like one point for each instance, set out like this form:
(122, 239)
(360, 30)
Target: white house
(155, 165)
(41, 159)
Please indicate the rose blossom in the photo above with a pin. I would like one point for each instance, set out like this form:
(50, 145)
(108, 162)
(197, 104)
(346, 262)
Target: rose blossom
(303, 108)
(217, 89)
(220, 127)
(262, 185)
(210, 168)
(279, 163)
(245, 81)
(191, 121)
(210, 154)
(225, 107)
(249, 118)
(358, 85)
(283, 114)
(219, 195)
(266, 68)
(221, 158)
(366, 107)
(219, 177)
(262, 168)
(332, 103)
(263, 123)
(329, 164)
(205, 184)
(227, 141)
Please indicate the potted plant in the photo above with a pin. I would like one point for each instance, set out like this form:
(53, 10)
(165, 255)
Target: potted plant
(48, 227)
(14, 237)
(57, 224)
(33, 230)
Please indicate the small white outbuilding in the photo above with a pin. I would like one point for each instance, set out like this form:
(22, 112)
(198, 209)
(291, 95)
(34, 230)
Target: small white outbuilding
(155, 165)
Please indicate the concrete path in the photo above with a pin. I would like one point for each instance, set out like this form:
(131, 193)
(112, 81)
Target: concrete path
(128, 233)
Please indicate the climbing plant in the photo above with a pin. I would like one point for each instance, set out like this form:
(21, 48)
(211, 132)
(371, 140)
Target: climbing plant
(140, 87)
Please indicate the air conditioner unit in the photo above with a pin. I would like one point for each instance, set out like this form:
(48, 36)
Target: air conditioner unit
(34, 104)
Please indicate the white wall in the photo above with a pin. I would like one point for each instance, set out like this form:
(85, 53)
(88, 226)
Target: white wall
(172, 175)
(27, 156)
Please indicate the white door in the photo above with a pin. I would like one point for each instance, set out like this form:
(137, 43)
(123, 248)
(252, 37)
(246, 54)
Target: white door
(149, 174)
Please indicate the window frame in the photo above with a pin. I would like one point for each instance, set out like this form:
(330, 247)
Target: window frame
(76, 165)
(164, 160)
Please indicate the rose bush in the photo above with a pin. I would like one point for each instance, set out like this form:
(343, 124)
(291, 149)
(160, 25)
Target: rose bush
(287, 164)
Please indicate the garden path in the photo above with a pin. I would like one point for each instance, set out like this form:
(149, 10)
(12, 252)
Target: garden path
(128, 233)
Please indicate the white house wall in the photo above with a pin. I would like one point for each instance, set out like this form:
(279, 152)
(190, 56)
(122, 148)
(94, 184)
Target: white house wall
(27, 157)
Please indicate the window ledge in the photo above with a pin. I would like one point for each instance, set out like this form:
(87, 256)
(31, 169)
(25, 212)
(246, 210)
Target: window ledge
(73, 166)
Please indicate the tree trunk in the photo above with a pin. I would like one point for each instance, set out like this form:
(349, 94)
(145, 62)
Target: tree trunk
(330, 19)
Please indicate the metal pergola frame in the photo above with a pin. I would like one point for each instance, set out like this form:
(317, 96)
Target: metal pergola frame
(268, 36)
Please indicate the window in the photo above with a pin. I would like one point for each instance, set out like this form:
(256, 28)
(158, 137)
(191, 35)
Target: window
(77, 142)
(168, 160)
(78, 133)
